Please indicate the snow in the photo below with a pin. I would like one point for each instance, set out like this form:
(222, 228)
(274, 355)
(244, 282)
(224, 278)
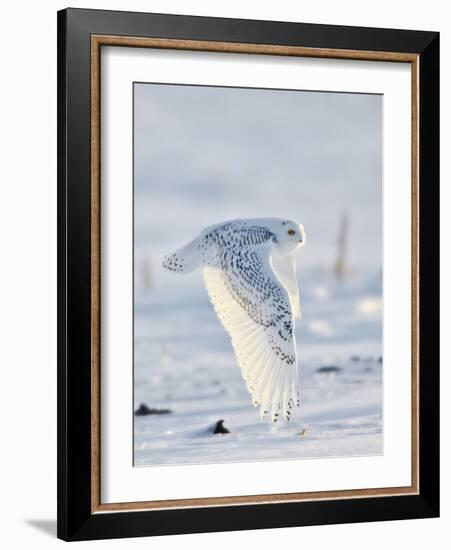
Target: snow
(184, 361)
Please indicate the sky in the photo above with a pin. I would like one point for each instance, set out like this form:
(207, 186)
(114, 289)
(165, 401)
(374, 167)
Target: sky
(204, 154)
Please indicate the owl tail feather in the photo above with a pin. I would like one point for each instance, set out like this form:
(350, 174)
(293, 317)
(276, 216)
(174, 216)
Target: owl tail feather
(185, 259)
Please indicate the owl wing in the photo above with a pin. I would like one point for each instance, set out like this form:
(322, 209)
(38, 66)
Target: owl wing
(285, 269)
(255, 309)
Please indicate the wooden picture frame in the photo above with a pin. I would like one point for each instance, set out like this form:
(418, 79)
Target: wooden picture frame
(81, 35)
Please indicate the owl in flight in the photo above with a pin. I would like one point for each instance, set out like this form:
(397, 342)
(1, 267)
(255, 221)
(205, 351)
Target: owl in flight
(250, 272)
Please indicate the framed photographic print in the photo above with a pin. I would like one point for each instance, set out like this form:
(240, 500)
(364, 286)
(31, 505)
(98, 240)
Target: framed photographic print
(248, 274)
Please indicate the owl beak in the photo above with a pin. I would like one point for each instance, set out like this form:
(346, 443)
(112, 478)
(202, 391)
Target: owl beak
(302, 239)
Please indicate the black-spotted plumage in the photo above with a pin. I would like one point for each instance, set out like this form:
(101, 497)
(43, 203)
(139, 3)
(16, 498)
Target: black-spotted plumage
(250, 274)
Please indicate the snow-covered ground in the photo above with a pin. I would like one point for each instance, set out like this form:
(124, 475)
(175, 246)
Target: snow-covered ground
(205, 155)
(184, 361)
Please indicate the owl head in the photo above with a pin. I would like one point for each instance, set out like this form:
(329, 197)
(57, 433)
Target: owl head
(288, 235)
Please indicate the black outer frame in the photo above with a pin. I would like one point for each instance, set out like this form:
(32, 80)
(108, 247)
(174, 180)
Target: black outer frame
(75, 520)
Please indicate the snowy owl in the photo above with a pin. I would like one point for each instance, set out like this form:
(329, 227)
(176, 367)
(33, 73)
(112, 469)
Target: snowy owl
(250, 273)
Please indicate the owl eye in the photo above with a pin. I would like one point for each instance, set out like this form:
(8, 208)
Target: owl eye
(291, 232)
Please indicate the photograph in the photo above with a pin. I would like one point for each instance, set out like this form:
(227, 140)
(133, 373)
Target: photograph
(258, 274)
(248, 272)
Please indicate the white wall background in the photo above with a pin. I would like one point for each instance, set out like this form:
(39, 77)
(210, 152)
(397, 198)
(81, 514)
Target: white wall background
(28, 271)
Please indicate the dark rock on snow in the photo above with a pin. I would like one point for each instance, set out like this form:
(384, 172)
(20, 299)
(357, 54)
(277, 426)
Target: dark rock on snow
(144, 410)
(328, 369)
(220, 428)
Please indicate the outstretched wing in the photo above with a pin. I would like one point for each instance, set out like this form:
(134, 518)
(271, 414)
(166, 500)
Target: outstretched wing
(255, 309)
